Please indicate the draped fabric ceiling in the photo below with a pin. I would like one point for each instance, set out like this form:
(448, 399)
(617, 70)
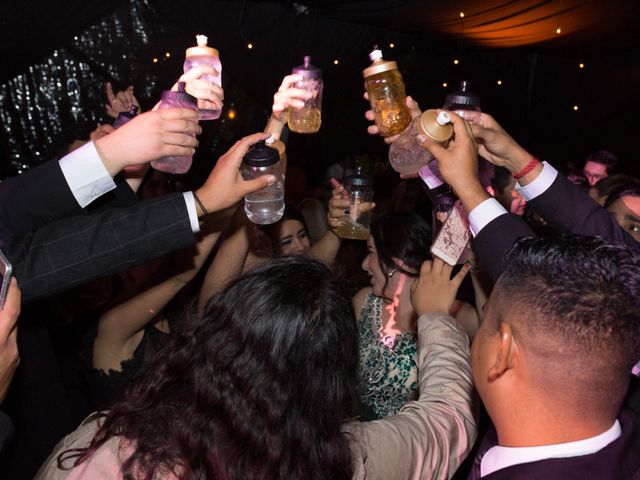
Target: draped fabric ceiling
(48, 46)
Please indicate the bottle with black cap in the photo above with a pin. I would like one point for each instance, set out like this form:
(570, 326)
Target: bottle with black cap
(265, 206)
(179, 99)
(464, 103)
(357, 220)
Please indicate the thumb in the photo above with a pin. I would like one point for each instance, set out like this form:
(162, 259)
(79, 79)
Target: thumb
(334, 183)
(250, 186)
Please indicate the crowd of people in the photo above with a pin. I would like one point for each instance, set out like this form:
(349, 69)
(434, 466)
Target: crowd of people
(188, 343)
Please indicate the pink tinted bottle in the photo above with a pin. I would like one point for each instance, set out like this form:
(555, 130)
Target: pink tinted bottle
(205, 55)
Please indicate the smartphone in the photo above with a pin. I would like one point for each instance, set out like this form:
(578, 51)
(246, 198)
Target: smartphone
(451, 242)
(5, 271)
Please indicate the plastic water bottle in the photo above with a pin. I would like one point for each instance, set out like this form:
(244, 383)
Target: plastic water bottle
(265, 206)
(205, 55)
(309, 117)
(464, 103)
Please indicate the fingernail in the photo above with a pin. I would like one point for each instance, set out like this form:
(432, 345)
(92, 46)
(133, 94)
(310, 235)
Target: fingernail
(271, 179)
(421, 138)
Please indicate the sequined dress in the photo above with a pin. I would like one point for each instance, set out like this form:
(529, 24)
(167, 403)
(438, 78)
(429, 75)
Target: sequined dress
(388, 372)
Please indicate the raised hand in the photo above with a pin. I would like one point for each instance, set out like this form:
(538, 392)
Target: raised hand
(225, 186)
(339, 205)
(210, 96)
(435, 291)
(150, 136)
(9, 358)
(288, 96)
(101, 131)
(120, 102)
(414, 109)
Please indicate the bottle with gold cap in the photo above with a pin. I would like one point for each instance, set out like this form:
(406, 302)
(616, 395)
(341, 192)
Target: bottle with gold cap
(406, 155)
(205, 55)
(384, 85)
(308, 118)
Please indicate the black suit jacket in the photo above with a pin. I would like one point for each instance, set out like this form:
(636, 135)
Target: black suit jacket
(54, 244)
(620, 460)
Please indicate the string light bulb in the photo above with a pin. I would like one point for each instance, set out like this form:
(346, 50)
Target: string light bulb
(461, 14)
(250, 45)
(558, 30)
(155, 60)
(581, 65)
(167, 54)
(456, 61)
(575, 108)
(499, 82)
(336, 61)
(231, 114)
(444, 84)
(392, 45)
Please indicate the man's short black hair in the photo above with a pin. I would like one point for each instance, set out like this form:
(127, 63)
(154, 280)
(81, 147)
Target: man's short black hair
(578, 299)
(603, 157)
(501, 179)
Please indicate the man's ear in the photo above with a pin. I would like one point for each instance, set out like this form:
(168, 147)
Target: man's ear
(505, 353)
(490, 190)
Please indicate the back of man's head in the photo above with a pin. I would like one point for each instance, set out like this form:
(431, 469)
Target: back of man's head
(574, 304)
(603, 157)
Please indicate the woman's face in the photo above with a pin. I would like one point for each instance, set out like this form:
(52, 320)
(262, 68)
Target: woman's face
(292, 239)
(371, 265)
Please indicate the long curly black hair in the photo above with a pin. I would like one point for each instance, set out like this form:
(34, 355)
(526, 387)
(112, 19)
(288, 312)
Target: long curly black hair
(257, 387)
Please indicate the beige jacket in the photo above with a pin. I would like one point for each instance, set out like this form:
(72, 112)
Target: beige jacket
(427, 439)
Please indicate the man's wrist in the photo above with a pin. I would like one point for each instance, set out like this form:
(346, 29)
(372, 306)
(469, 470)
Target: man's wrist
(471, 194)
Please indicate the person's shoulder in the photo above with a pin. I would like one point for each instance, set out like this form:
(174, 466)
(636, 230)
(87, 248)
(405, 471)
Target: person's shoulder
(359, 299)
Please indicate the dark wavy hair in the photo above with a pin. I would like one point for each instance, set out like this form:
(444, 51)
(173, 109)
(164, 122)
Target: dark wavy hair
(257, 387)
(402, 236)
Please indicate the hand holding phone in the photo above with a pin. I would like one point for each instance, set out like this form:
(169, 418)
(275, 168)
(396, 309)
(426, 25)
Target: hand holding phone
(452, 240)
(5, 272)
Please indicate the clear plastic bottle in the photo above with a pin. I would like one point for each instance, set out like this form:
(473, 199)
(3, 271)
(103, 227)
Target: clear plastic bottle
(124, 117)
(359, 188)
(180, 99)
(265, 206)
(384, 85)
(464, 103)
(309, 117)
(406, 155)
(205, 55)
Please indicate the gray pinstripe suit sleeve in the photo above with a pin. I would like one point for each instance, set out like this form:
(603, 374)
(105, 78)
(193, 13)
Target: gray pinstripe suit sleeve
(75, 250)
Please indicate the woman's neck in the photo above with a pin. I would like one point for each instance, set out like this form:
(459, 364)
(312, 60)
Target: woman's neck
(398, 315)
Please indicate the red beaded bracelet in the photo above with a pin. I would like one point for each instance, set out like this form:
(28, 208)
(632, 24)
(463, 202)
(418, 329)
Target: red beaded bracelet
(530, 166)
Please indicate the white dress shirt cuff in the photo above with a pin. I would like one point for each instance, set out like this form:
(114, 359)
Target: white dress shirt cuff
(86, 175)
(485, 212)
(541, 183)
(193, 213)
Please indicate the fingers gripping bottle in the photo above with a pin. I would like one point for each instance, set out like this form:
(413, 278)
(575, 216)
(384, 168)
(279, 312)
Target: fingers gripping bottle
(356, 223)
(205, 55)
(406, 155)
(309, 118)
(265, 206)
(384, 85)
(464, 103)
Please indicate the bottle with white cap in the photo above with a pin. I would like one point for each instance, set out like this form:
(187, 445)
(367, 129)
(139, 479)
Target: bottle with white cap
(384, 85)
(205, 55)
(309, 117)
(406, 155)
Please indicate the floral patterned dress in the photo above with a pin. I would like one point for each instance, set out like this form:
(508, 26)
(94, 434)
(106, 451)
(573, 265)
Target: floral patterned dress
(388, 372)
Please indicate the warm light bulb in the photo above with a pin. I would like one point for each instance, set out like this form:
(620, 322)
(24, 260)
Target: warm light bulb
(581, 65)
(392, 45)
(558, 30)
(249, 46)
(499, 82)
(155, 60)
(575, 108)
(444, 84)
(456, 61)
(461, 14)
(167, 54)
(231, 114)
(336, 61)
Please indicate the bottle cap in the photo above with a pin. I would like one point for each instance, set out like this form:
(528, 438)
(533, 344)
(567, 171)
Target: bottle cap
(462, 97)
(430, 125)
(276, 144)
(307, 70)
(378, 64)
(202, 48)
(261, 155)
(358, 178)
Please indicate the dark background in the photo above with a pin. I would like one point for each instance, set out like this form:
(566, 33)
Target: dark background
(57, 56)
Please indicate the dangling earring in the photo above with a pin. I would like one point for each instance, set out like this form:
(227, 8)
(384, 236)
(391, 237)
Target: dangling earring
(390, 274)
